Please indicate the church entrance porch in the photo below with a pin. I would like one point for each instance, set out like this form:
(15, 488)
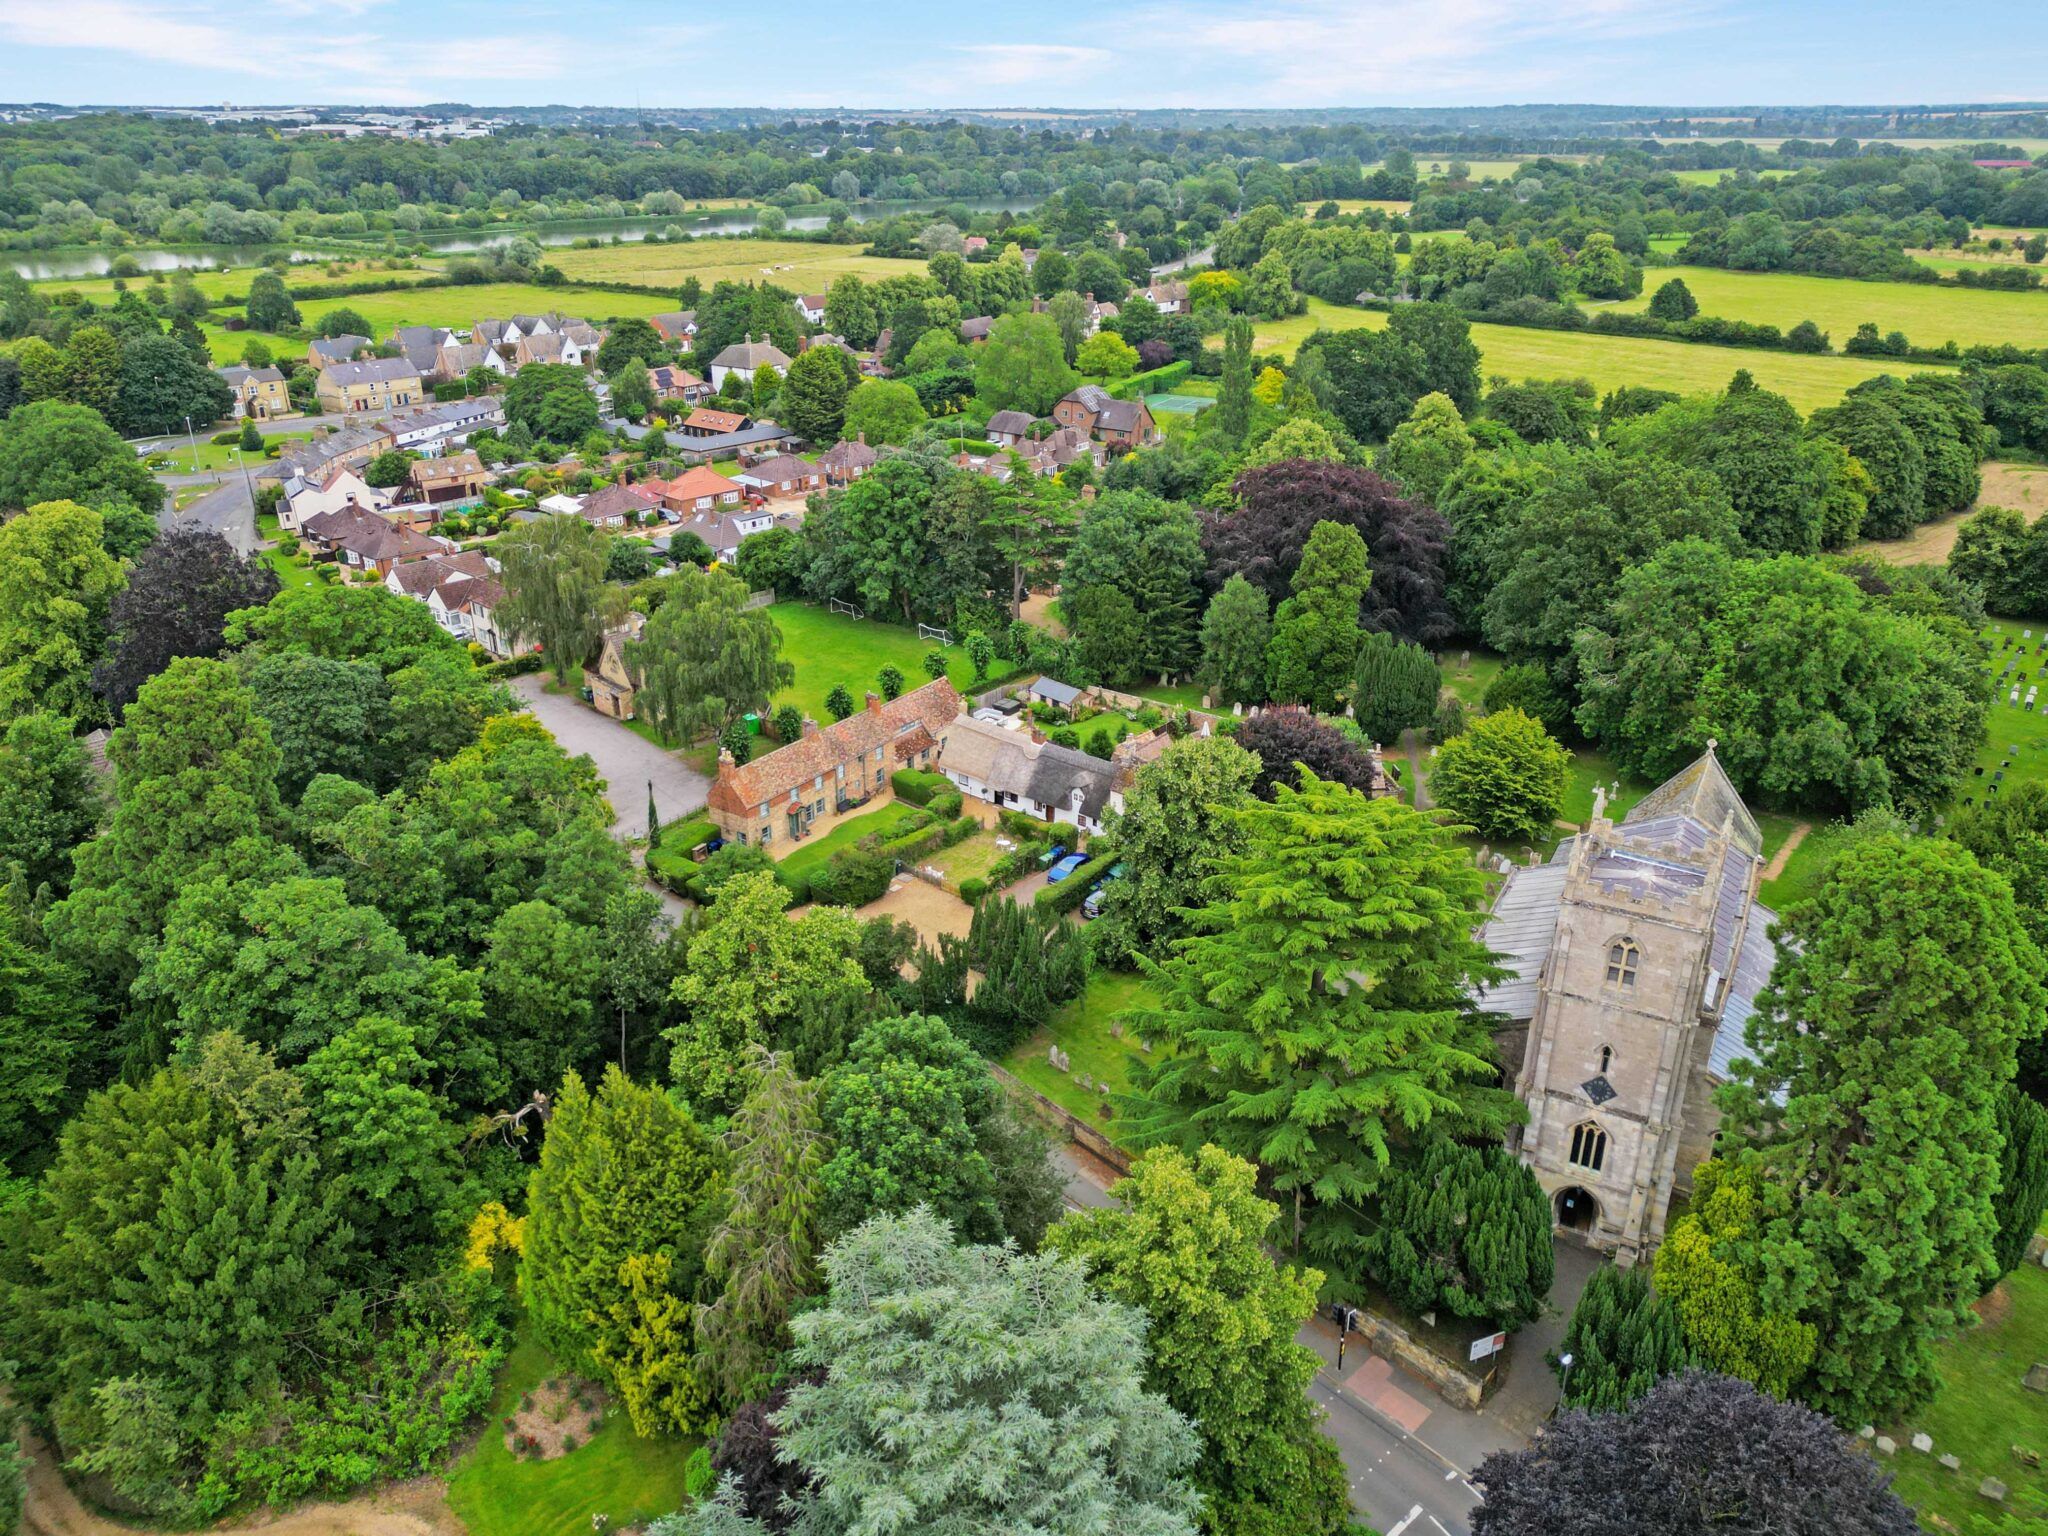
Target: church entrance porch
(1576, 1210)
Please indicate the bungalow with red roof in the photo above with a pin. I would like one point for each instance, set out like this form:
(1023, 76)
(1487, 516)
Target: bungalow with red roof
(700, 489)
(782, 475)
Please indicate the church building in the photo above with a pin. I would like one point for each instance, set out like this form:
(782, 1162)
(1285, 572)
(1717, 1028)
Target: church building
(1637, 953)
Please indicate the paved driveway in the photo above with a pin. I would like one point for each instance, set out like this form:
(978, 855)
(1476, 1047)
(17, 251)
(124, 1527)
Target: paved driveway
(628, 762)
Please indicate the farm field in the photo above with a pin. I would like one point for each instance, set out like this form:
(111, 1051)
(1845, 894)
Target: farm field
(218, 282)
(1358, 204)
(1612, 361)
(829, 649)
(797, 265)
(459, 306)
(1714, 178)
(1927, 314)
(2022, 487)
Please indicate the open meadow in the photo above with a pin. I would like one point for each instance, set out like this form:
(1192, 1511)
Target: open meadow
(799, 265)
(1929, 315)
(1518, 352)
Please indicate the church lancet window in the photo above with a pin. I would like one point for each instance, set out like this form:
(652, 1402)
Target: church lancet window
(1589, 1146)
(1622, 958)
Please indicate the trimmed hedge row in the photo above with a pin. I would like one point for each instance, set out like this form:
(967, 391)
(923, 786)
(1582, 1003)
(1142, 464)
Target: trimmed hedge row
(917, 786)
(514, 666)
(1159, 381)
(1068, 895)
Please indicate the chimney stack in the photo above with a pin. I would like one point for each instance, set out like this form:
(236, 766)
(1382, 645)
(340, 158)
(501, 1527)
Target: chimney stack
(810, 726)
(874, 702)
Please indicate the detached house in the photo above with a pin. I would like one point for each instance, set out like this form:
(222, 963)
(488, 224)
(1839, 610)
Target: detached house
(723, 532)
(328, 488)
(784, 474)
(1022, 771)
(610, 681)
(367, 541)
(260, 393)
(812, 307)
(380, 384)
(1169, 298)
(462, 592)
(745, 359)
(459, 477)
(806, 785)
(845, 462)
(697, 490)
(618, 506)
(678, 384)
(675, 324)
(1124, 424)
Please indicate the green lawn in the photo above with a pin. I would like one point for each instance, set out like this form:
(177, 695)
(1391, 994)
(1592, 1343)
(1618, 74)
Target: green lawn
(616, 1473)
(458, 307)
(1929, 315)
(179, 456)
(813, 852)
(219, 282)
(1187, 695)
(1982, 1411)
(1612, 361)
(290, 573)
(1081, 1028)
(798, 265)
(830, 649)
(971, 859)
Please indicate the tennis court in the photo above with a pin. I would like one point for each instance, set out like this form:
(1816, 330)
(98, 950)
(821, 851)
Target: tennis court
(1185, 405)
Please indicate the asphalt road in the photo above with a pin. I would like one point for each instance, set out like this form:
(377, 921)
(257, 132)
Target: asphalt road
(627, 761)
(1400, 1480)
(227, 510)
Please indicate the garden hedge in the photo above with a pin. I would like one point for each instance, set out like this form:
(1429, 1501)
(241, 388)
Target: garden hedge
(915, 786)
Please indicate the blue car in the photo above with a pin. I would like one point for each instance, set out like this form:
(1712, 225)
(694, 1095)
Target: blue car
(1067, 866)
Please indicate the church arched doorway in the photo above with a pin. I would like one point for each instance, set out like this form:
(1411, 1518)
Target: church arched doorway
(1576, 1210)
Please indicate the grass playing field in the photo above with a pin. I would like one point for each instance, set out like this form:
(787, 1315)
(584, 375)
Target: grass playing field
(1611, 361)
(796, 265)
(829, 649)
(1928, 315)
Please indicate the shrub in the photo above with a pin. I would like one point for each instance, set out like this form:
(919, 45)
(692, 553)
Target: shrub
(946, 804)
(917, 787)
(853, 877)
(972, 889)
(1504, 775)
(1068, 895)
(699, 1477)
(890, 681)
(788, 722)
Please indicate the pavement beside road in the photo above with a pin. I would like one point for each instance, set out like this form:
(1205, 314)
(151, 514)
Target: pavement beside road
(1408, 1454)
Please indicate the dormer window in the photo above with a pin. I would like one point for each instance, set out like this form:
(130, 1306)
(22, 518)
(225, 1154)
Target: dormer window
(1622, 959)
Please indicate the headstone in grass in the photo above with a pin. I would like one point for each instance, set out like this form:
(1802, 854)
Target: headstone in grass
(1887, 1446)
(1992, 1489)
(1923, 1443)
(2036, 1379)
(1951, 1461)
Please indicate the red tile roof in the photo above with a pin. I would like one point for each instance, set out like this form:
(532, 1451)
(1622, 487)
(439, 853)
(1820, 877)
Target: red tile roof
(741, 791)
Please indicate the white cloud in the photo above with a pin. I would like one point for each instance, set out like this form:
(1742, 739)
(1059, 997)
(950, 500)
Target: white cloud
(1024, 63)
(1319, 52)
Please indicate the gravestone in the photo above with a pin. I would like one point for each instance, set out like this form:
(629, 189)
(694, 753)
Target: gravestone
(1923, 1443)
(1992, 1489)
(1887, 1446)
(1950, 1461)
(2036, 1379)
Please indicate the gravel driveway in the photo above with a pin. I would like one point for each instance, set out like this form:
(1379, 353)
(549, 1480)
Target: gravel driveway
(625, 760)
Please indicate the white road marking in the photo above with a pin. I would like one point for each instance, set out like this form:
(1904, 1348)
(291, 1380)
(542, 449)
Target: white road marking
(1408, 1520)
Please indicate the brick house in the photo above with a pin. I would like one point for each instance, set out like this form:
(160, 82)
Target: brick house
(784, 474)
(709, 421)
(1123, 424)
(618, 505)
(845, 462)
(674, 325)
(459, 477)
(1008, 429)
(701, 489)
(365, 540)
(805, 786)
(671, 383)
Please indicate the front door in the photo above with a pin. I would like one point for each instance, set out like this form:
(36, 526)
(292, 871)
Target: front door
(796, 824)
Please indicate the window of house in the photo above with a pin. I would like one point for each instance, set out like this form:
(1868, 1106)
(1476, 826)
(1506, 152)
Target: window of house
(1622, 957)
(1589, 1146)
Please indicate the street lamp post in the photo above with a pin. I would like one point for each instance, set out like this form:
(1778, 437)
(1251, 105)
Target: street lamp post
(1565, 1381)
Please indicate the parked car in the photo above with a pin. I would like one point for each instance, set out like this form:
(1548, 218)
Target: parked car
(1091, 908)
(1066, 867)
(1052, 855)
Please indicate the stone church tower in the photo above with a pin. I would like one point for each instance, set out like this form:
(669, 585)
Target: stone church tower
(1637, 951)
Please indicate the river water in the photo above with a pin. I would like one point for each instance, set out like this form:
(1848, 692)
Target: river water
(83, 262)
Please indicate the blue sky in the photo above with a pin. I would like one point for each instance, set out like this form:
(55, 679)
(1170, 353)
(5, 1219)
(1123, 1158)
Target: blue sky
(920, 53)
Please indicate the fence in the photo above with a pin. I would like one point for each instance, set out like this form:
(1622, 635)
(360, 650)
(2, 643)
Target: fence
(758, 600)
(1067, 1123)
